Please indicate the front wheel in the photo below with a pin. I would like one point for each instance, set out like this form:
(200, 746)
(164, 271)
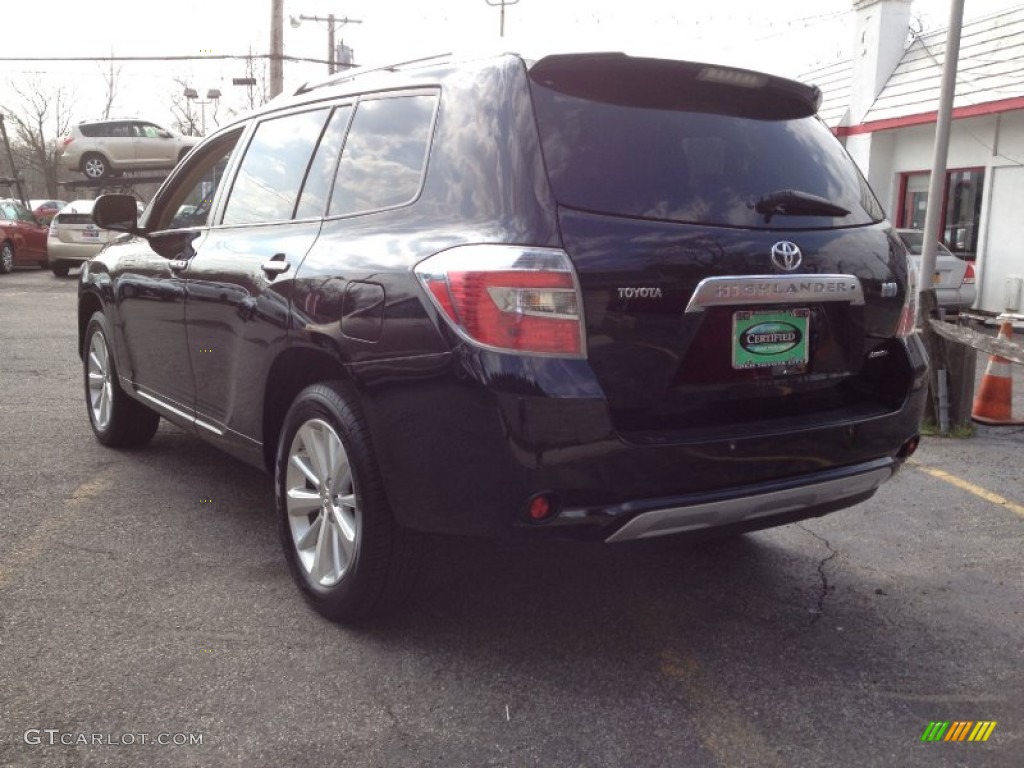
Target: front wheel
(6, 258)
(60, 269)
(347, 555)
(117, 420)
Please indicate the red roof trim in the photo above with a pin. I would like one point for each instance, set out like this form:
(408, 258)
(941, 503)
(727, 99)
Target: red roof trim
(974, 110)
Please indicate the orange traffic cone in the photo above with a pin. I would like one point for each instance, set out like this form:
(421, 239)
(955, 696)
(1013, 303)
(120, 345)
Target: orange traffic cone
(994, 402)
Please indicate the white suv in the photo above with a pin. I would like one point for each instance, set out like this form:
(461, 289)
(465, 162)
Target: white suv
(101, 148)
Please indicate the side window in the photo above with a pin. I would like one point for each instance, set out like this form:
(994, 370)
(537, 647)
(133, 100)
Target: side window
(385, 154)
(9, 212)
(120, 130)
(187, 204)
(273, 167)
(313, 199)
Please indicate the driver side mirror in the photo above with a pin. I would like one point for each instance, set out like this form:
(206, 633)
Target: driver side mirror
(116, 212)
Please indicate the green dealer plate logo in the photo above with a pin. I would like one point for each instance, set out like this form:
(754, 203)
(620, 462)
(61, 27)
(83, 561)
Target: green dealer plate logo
(768, 339)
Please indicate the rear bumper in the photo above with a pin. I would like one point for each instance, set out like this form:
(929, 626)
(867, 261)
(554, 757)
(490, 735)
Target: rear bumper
(468, 439)
(58, 251)
(753, 506)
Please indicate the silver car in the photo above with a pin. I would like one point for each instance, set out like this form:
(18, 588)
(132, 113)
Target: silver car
(73, 238)
(101, 148)
(954, 280)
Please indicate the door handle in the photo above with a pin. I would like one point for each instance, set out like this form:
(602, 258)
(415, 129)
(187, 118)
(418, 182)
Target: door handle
(275, 266)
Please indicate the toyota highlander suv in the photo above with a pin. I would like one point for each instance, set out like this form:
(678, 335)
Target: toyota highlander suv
(102, 148)
(590, 295)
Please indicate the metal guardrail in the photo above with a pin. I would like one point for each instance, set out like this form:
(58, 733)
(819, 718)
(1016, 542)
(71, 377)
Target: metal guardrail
(993, 345)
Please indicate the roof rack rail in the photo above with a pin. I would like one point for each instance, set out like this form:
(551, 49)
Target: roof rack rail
(342, 77)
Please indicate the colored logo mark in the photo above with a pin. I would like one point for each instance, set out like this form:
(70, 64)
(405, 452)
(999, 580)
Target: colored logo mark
(958, 730)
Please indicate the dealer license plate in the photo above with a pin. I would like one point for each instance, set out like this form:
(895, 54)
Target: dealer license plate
(769, 339)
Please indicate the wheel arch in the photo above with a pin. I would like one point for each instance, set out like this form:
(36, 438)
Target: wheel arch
(88, 304)
(292, 371)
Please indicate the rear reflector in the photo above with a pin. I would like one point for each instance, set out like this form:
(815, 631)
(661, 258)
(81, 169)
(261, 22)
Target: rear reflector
(508, 298)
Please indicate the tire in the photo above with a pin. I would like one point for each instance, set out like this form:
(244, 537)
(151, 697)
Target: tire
(117, 420)
(350, 559)
(95, 166)
(6, 258)
(61, 269)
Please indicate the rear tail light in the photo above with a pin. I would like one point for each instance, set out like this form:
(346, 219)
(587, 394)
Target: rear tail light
(908, 316)
(508, 298)
(969, 275)
(64, 143)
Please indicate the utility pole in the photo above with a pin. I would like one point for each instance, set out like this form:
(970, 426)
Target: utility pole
(501, 4)
(332, 21)
(276, 47)
(945, 362)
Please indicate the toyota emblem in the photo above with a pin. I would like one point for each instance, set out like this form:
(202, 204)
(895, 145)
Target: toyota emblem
(786, 255)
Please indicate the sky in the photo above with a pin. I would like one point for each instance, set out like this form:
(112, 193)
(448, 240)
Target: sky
(787, 37)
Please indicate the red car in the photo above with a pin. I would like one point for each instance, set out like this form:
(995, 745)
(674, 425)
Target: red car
(44, 210)
(22, 237)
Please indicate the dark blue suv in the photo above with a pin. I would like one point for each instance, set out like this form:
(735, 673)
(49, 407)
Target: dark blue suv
(590, 295)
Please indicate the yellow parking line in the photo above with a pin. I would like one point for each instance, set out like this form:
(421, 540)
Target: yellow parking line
(977, 490)
(39, 541)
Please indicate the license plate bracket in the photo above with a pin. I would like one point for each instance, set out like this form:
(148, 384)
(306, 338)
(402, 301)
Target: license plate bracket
(776, 338)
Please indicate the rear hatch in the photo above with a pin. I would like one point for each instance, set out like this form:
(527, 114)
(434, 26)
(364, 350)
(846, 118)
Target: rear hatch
(737, 272)
(77, 227)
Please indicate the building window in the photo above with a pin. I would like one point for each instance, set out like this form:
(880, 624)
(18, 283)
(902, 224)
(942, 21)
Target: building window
(961, 210)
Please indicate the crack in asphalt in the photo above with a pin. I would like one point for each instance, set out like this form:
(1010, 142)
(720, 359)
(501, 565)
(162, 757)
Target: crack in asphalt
(820, 608)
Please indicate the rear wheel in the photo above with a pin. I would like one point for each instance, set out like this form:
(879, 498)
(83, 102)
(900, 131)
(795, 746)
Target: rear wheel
(6, 258)
(117, 420)
(95, 166)
(347, 555)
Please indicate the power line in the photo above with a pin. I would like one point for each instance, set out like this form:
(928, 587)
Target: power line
(215, 57)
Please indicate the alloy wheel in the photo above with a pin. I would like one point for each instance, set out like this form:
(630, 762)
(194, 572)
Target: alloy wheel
(101, 387)
(323, 513)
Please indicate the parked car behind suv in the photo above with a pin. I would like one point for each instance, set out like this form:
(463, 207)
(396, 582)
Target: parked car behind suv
(74, 238)
(592, 295)
(954, 279)
(101, 148)
(22, 237)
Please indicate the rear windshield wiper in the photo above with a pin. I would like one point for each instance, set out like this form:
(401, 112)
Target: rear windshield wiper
(791, 202)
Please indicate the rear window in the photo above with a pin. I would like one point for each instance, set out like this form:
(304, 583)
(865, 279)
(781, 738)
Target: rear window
(705, 160)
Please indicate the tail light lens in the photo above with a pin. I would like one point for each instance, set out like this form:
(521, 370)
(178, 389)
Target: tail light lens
(969, 275)
(64, 142)
(509, 298)
(908, 316)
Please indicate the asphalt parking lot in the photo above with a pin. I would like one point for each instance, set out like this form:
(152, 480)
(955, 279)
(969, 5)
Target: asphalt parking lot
(143, 594)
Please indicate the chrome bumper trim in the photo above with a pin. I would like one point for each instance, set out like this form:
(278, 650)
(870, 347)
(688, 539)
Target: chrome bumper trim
(748, 290)
(662, 522)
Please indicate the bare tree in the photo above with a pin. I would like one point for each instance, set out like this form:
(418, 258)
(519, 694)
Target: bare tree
(110, 75)
(40, 118)
(185, 120)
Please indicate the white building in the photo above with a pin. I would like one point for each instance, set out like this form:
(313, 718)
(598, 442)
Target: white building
(883, 105)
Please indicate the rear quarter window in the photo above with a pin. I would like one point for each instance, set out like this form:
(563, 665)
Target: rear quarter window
(385, 154)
